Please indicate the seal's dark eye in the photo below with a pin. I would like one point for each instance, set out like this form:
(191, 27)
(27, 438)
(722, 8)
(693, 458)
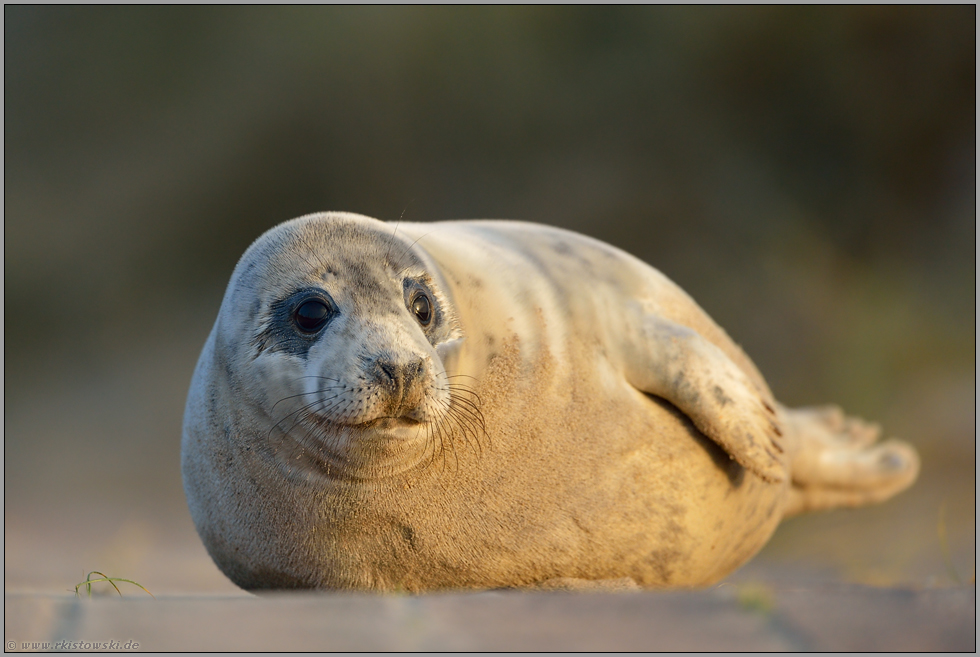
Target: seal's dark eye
(422, 308)
(311, 315)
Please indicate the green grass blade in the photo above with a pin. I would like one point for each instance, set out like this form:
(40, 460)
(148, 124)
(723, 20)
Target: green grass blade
(112, 581)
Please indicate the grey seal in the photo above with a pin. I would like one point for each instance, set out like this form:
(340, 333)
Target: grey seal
(482, 404)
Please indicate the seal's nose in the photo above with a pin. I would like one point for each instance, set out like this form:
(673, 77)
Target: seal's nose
(403, 384)
(398, 375)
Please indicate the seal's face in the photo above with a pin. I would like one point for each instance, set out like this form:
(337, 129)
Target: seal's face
(338, 334)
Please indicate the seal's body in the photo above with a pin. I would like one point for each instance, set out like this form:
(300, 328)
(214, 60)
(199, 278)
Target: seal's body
(486, 404)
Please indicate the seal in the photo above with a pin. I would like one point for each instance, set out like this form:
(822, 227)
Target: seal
(482, 404)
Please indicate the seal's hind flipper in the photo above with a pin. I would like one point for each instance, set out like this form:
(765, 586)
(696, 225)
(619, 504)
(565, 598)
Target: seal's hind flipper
(674, 362)
(836, 462)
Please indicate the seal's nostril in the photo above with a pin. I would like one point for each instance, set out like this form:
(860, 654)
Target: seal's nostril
(414, 369)
(389, 368)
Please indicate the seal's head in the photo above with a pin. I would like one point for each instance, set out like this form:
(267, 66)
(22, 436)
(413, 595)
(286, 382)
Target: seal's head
(334, 336)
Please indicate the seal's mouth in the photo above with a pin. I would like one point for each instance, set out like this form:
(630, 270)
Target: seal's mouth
(386, 426)
(387, 423)
(397, 419)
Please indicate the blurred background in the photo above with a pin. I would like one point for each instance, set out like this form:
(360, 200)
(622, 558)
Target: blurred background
(807, 174)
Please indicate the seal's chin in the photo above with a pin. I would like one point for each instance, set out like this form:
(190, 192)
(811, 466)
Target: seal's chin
(367, 449)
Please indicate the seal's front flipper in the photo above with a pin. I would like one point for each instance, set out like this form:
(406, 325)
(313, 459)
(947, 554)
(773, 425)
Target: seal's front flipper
(671, 361)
